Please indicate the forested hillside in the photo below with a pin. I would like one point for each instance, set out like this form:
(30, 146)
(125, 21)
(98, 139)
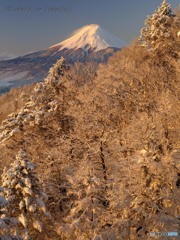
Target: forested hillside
(93, 154)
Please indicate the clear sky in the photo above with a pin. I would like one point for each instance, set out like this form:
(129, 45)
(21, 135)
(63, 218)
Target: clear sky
(31, 25)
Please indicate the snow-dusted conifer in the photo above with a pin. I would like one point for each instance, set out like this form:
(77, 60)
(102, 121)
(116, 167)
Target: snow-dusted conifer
(53, 79)
(158, 27)
(6, 223)
(23, 192)
(57, 71)
(42, 103)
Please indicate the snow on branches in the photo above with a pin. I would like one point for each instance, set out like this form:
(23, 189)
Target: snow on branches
(22, 190)
(158, 27)
(6, 223)
(41, 104)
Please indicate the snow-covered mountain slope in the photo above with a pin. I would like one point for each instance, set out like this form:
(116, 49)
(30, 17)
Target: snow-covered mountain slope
(89, 44)
(91, 36)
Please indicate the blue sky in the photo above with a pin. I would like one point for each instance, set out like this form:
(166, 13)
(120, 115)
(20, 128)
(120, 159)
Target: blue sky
(31, 25)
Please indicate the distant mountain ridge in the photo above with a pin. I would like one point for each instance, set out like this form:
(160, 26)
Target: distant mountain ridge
(89, 44)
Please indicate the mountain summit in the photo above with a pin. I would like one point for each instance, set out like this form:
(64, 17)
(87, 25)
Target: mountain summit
(90, 43)
(91, 37)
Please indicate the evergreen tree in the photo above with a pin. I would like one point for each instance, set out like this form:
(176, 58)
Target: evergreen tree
(53, 80)
(43, 103)
(23, 192)
(158, 27)
(6, 223)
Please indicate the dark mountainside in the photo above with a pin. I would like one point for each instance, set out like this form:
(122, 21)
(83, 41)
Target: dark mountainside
(36, 65)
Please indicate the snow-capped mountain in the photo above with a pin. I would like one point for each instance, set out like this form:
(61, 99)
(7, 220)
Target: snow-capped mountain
(90, 43)
(91, 36)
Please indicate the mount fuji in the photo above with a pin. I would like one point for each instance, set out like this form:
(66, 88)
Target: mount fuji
(91, 37)
(90, 43)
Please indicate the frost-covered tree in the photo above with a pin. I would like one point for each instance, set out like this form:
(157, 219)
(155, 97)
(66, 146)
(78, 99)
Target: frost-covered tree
(6, 223)
(22, 190)
(88, 204)
(52, 83)
(158, 27)
(42, 104)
